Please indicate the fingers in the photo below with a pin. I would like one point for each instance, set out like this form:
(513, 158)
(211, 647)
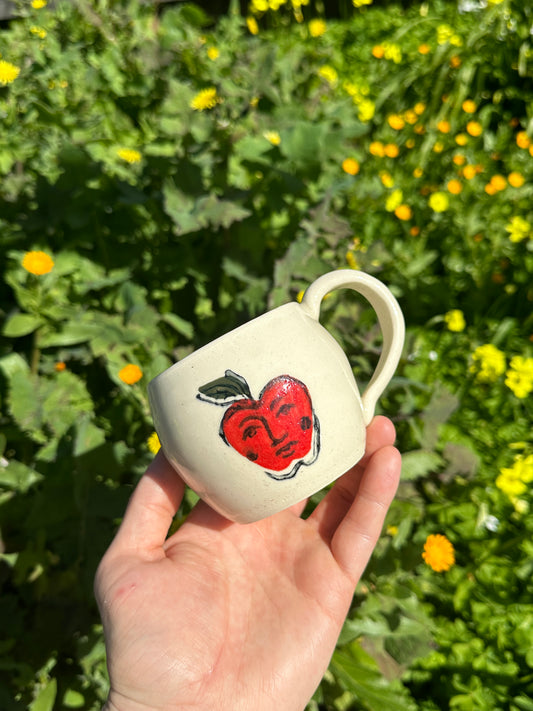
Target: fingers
(334, 506)
(150, 510)
(357, 534)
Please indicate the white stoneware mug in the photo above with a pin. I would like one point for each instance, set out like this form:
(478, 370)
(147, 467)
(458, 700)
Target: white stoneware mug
(270, 413)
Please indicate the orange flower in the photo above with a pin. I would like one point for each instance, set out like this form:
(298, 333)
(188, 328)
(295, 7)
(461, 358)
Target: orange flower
(350, 166)
(403, 212)
(522, 140)
(469, 106)
(424, 48)
(459, 159)
(414, 231)
(60, 366)
(377, 148)
(396, 122)
(378, 51)
(469, 171)
(454, 187)
(516, 179)
(443, 126)
(438, 553)
(498, 182)
(391, 150)
(461, 139)
(474, 128)
(455, 61)
(37, 263)
(130, 374)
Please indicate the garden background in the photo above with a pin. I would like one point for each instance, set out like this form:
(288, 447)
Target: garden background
(166, 175)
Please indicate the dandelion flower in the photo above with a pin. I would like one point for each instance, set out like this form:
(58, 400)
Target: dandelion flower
(394, 200)
(514, 480)
(37, 263)
(455, 320)
(350, 166)
(329, 74)
(488, 362)
(205, 99)
(366, 111)
(419, 108)
(213, 53)
(317, 27)
(439, 202)
(8, 72)
(474, 128)
(518, 229)
(130, 374)
(438, 553)
(38, 4)
(519, 377)
(386, 178)
(130, 155)
(251, 24)
(154, 445)
(498, 182)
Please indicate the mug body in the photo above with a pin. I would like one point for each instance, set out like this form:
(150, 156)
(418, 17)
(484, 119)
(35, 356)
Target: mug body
(262, 417)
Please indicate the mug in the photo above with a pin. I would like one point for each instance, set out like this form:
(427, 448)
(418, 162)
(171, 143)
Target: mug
(269, 413)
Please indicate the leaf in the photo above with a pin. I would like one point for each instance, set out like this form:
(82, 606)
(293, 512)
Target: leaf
(225, 390)
(18, 477)
(46, 698)
(419, 463)
(21, 325)
(179, 324)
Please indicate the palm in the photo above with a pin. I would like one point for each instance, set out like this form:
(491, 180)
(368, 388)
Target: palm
(222, 615)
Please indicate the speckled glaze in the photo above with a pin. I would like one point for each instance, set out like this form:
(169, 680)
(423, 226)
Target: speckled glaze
(270, 413)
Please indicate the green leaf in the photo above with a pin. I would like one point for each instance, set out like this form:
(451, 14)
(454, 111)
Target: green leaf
(223, 391)
(418, 463)
(72, 699)
(21, 325)
(18, 477)
(46, 698)
(179, 324)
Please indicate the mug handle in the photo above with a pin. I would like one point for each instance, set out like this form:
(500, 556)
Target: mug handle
(390, 319)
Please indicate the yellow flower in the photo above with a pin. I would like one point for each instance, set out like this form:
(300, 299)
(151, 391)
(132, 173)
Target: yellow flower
(130, 155)
(419, 108)
(251, 24)
(391, 150)
(469, 106)
(438, 553)
(378, 51)
(443, 126)
(455, 61)
(459, 159)
(361, 3)
(213, 53)
(418, 172)
(514, 480)
(474, 128)
(351, 260)
(396, 122)
(411, 116)
(377, 148)
(403, 212)
(38, 4)
(350, 166)
(392, 51)
(469, 172)
(154, 445)
(488, 362)
(519, 377)
(454, 187)
(329, 74)
(317, 27)
(37, 263)
(438, 147)
(39, 31)
(273, 137)
(394, 200)
(424, 48)
(518, 228)
(516, 179)
(461, 139)
(300, 296)
(439, 202)
(522, 140)
(455, 320)
(205, 99)
(386, 178)
(130, 374)
(498, 182)
(367, 109)
(8, 72)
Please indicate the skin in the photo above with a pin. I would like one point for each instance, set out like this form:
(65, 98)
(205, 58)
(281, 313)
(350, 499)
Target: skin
(236, 617)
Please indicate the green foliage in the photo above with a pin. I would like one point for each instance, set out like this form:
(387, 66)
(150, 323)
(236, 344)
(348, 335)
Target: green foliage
(184, 175)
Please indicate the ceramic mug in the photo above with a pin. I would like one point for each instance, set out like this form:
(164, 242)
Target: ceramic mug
(270, 413)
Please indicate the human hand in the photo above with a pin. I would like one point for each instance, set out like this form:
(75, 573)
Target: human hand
(222, 615)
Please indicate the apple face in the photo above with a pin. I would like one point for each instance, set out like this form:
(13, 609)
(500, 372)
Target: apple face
(278, 431)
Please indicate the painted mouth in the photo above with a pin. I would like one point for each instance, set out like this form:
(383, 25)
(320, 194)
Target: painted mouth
(287, 450)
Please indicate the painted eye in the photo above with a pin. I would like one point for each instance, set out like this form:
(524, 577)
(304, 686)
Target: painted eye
(284, 410)
(305, 423)
(249, 432)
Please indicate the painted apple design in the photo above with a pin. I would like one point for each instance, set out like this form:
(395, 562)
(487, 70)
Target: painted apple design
(279, 431)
